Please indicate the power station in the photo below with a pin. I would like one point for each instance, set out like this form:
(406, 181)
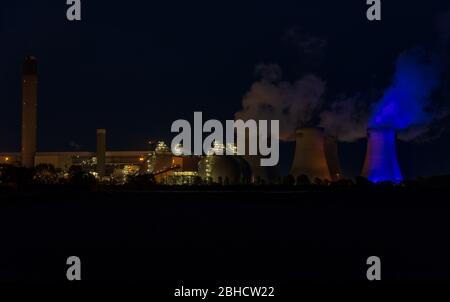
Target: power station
(316, 154)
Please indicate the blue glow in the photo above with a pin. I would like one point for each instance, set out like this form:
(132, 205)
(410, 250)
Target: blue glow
(381, 160)
(405, 103)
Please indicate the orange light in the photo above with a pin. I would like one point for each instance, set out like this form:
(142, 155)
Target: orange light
(141, 159)
(6, 158)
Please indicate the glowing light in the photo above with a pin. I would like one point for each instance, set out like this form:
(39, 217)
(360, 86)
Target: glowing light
(381, 159)
(404, 103)
(221, 149)
(178, 149)
(130, 170)
(162, 148)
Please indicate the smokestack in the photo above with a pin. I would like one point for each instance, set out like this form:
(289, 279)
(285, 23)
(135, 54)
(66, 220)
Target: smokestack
(332, 155)
(101, 152)
(29, 111)
(310, 159)
(381, 162)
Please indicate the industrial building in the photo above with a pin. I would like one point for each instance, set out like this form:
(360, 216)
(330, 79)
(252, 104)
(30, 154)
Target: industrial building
(171, 169)
(88, 160)
(101, 163)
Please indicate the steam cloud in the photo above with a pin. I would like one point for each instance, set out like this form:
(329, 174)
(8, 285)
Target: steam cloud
(346, 120)
(405, 106)
(293, 104)
(407, 103)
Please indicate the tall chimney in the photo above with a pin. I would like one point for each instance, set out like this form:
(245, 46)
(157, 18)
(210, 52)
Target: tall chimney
(310, 159)
(101, 152)
(332, 155)
(381, 162)
(29, 111)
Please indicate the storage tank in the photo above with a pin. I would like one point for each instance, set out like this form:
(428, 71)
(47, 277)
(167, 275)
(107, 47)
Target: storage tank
(226, 169)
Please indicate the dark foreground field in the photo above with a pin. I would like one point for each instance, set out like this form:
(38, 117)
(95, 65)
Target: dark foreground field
(225, 238)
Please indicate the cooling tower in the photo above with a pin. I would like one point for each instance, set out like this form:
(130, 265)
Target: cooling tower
(310, 159)
(381, 162)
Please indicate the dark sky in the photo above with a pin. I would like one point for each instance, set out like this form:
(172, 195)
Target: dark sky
(134, 67)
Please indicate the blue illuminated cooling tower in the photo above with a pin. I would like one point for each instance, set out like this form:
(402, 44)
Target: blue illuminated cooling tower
(381, 162)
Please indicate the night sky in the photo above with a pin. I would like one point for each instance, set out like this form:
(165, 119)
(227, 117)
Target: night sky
(134, 67)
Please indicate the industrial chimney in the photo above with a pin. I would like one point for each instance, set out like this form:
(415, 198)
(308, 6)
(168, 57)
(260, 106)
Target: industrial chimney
(332, 155)
(381, 162)
(101, 152)
(29, 111)
(310, 159)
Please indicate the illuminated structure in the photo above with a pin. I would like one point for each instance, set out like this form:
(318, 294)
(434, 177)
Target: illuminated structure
(310, 158)
(184, 171)
(160, 159)
(29, 111)
(224, 169)
(381, 162)
(172, 169)
(88, 160)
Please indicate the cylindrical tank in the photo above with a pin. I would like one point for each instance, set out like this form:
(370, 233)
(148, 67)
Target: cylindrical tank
(381, 163)
(310, 159)
(223, 169)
